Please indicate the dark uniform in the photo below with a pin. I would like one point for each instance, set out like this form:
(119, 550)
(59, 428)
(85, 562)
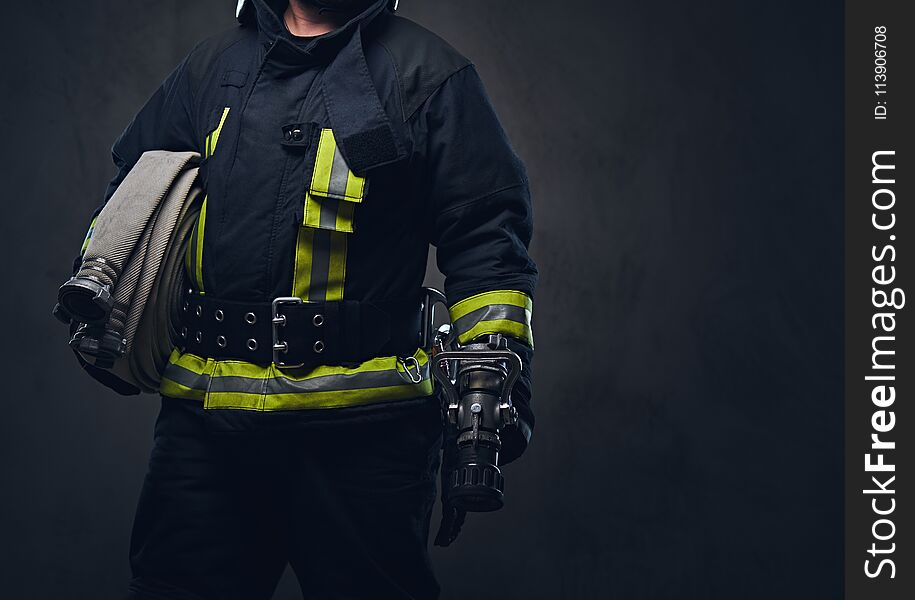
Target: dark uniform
(330, 164)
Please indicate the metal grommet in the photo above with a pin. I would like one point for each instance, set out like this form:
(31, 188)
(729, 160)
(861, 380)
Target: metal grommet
(199, 310)
(219, 315)
(318, 320)
(190, 290)
(221, 341)
(198, 336)
(318, 347)
(252, 344)
(251, 319)
(184, 308)
(184, 333)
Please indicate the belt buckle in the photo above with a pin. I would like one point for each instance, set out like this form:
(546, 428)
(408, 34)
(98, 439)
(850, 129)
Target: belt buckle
(279, 320)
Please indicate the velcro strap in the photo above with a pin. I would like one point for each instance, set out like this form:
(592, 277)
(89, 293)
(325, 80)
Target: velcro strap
(312, 333)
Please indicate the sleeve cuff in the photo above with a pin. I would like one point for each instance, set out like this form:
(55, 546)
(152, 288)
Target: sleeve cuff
(501, 311)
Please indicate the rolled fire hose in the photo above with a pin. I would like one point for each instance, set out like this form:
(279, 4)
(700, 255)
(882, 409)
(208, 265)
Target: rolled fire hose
(127, 291)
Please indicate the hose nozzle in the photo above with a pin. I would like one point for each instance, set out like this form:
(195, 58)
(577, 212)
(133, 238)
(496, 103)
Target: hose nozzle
(478, 407)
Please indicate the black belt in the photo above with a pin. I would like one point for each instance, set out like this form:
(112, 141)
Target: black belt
(290, 332)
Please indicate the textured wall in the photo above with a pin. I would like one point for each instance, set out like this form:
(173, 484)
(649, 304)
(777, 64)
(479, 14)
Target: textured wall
(686, 162)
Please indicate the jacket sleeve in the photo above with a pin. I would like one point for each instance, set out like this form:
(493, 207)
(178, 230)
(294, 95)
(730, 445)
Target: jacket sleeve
(166, 122)
(482, 224)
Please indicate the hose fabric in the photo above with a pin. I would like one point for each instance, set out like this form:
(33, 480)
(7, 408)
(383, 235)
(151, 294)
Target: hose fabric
(140, 238)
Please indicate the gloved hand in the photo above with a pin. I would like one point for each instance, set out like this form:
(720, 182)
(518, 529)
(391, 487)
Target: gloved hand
(516, 438)
(452, 517)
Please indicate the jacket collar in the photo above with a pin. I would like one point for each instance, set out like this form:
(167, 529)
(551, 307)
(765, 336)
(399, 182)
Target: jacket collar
(365, 134)
(268, 16)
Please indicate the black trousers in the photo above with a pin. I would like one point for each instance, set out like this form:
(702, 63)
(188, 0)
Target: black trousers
(347, 506)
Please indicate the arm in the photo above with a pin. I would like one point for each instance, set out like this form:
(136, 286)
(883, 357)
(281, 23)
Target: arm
(482, 225)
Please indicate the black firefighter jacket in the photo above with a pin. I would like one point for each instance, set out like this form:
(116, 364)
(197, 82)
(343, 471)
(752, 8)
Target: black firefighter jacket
(330, 165)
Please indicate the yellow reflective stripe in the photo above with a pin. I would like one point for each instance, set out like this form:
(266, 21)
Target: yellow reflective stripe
(332, 178)
(321, 245)
(172, 389)
(190, 254)
(345, 217)
(214, 137)
(343, 398)
(511, 297)
(501, 311)
(324, 162)
(88, 235)
(312, 215)
(328, 213)
(193, 258)
(301, 279)
(242, 385)
(513, 329)
(190, 362)
(198, 246)
(197, 365)
(336, 269)
(319, 273)
(355, 187)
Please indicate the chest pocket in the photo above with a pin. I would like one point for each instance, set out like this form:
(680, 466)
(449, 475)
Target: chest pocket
(333, 191)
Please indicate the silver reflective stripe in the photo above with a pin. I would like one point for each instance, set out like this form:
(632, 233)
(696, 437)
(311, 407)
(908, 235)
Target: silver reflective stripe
(186, 377)
(491, 312)
(284, 385)
(354, 381)
(234, 383)
(320, 265)
(329, 208)
(339, 174)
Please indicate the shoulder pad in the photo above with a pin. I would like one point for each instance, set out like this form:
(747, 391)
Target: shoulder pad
(422, 60)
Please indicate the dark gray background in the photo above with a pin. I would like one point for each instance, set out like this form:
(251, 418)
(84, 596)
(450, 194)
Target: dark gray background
(686, 162)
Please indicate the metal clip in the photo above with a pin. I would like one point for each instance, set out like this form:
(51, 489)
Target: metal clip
(408, 363)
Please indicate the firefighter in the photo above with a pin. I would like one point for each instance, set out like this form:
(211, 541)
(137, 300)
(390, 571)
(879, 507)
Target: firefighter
(299, 423)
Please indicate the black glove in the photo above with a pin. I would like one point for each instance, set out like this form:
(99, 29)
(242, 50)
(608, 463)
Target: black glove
(452, 517)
